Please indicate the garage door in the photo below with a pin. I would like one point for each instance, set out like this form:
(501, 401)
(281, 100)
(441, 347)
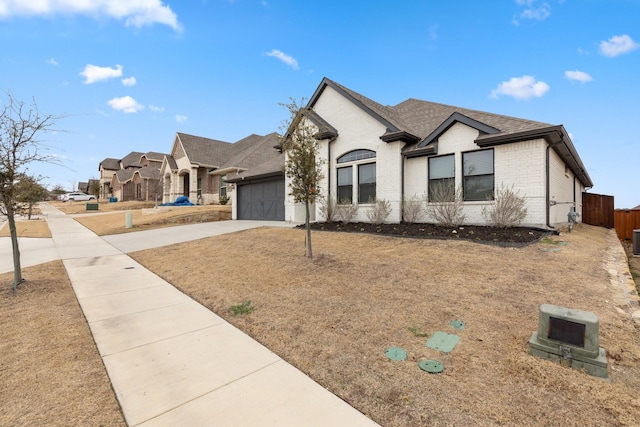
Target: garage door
(261, 200)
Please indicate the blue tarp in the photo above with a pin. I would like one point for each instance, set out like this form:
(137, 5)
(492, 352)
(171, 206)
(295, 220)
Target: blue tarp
(180, 201)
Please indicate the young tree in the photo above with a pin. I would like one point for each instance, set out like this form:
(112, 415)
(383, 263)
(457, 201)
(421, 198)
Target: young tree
(94, 187)
(29, 191)
(57, 191)
(301, 165)
(21, 127)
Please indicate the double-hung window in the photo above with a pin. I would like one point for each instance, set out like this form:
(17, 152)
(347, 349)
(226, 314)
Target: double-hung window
(223, 185)
(359, 167)
(345, 185)
(478, 175)
(442, 179)
(367, 183)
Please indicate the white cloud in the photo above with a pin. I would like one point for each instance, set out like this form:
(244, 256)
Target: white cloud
(579, 76)
(52, 61)
(289, 60)
(129, 81)
(126, 104)
(180, 118)
(533, 11)
(156, 109)
(524, 87)
(94, 73)
(136, 13)
(617, 45)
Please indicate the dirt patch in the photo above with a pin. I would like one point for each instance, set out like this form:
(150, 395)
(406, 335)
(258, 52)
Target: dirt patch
(50, 370)
(335, 316)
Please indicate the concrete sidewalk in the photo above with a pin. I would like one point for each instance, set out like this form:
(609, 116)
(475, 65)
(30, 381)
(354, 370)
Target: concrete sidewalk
(173, 362)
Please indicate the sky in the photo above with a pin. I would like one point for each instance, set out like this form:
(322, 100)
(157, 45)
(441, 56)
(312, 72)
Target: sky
(126, 75)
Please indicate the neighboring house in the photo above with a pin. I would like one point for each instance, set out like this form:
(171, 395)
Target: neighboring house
(108, 167)
(200, 168)
(134, 177)
(83, 187)
(396, 153)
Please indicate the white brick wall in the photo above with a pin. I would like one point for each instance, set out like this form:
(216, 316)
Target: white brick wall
(519, 165)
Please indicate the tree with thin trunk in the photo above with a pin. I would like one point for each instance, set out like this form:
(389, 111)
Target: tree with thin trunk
(29, 191)
(302, 167)
(21, 127)
(94, 187)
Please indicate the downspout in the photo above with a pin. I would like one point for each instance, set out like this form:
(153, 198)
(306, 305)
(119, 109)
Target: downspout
(403, 159)
(333, 138)
(548, 184)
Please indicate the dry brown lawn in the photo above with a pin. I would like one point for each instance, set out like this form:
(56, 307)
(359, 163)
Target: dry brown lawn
(50, 371)
(103, 206)
(335, 316)
(114, 223)
(32, 228)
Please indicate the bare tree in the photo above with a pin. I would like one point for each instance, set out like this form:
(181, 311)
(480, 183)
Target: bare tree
(21, 127)
(301, 165)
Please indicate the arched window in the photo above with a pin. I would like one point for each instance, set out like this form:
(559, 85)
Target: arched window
(361, 169)
(356, 155)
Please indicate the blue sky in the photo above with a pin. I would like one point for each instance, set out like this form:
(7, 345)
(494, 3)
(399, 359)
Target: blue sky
(128, 74)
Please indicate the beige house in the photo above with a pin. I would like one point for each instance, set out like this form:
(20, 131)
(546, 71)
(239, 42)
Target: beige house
(134, 177)
(199, 167)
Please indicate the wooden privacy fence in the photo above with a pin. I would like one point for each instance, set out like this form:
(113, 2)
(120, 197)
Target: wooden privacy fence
(626, 221)
(597, 209)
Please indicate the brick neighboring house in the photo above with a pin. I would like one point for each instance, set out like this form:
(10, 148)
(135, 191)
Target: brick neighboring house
(199, 167)
(396, 153)
(134, 177)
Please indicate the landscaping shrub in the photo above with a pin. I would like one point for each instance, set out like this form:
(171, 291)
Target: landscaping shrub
(445, 205)
(346, 211)
(379, 211)
(413, 209)
(508, 209)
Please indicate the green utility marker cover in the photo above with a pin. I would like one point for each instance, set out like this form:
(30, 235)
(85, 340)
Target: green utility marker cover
(443, 341)
(396, 353)
(431, 366)
(457, 324)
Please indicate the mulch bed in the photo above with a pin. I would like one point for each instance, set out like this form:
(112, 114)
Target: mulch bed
(516, 236)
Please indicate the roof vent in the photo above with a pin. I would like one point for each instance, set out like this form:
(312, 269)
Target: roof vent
(636, 242)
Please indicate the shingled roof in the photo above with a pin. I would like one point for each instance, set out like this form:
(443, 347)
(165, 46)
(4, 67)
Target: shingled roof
(419, 124)
(131, 160)
(260, 150)
(109, 164)
(205, 152)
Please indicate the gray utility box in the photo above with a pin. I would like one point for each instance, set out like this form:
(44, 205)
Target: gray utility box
(569, 337)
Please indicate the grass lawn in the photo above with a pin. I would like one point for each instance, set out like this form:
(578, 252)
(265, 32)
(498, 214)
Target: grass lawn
(32, 228)
(335, 316)
(50, 370)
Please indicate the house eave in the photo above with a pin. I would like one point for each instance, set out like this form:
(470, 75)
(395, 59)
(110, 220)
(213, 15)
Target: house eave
(255, 177)
(401, 136)
(557, 138)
